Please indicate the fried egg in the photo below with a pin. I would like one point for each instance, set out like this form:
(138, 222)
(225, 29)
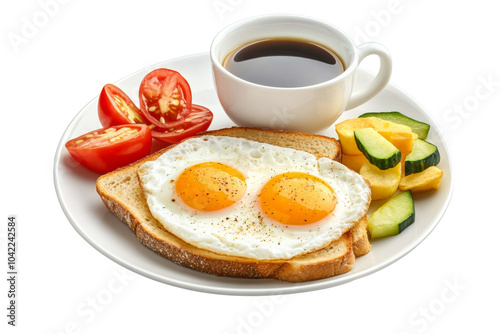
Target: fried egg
(243, 198)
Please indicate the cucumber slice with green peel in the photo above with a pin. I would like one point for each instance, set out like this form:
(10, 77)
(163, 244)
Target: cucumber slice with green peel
(420, 128)
(378, 150)
(422, 156)
(393, 216)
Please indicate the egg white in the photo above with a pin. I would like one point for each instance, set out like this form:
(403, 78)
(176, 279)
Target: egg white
(242, 229)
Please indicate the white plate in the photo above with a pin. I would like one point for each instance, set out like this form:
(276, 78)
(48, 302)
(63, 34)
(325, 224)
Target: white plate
(75, 187)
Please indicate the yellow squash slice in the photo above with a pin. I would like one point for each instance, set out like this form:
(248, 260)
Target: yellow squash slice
(429, 179)
(383, 183)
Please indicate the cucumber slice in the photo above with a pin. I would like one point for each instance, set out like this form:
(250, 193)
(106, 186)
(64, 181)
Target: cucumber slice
(422, 156)
(378, 150)
(393, 216)
(420, 128)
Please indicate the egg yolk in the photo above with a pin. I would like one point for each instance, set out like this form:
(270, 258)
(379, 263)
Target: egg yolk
(210, 186)
(297, 198)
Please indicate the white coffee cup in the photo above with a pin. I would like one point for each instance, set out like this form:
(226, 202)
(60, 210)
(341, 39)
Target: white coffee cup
(306, 109)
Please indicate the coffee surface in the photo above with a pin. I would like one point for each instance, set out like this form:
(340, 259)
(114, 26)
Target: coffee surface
(284, 63)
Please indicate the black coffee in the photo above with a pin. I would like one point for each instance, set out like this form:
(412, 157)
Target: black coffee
(284, 63)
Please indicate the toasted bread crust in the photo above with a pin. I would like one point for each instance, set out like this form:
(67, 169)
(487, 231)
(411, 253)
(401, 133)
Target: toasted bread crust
(121, 193)
(360, 238)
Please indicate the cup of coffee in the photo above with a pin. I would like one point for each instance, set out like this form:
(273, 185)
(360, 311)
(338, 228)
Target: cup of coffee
(289, 72)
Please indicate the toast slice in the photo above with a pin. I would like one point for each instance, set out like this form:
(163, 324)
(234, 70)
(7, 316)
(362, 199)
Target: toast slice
(121, 193)
(360, 238)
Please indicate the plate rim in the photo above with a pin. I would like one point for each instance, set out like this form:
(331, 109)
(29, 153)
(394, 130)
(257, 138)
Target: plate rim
(293, 287)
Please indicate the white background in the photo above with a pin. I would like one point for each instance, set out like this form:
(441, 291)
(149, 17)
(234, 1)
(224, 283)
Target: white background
(445, 55)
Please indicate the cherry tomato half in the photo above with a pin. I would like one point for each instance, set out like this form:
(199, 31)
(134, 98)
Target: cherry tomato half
(108, 148)
(116, 108)
(198, 120)
(165, 98)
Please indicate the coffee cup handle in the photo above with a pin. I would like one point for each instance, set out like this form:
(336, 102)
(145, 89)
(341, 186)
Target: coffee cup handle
(382, 78)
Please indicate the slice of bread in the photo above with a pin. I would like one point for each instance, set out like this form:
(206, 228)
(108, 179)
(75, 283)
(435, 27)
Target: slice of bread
(360, 238)
(121, 193)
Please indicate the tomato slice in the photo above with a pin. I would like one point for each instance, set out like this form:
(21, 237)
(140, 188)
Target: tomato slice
(108, 148)
(198, 120)
(116, 108)
(165, 98)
